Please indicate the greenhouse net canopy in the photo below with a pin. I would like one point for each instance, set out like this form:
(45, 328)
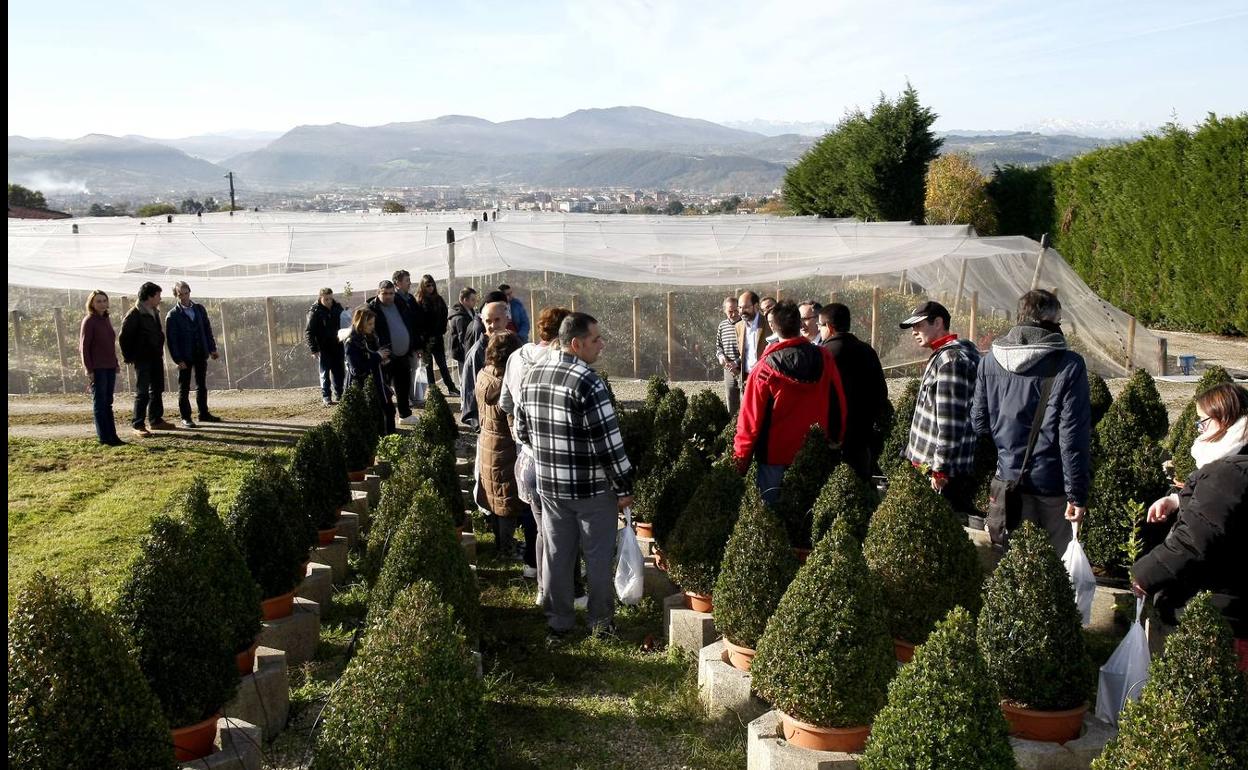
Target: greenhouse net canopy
(278, 254)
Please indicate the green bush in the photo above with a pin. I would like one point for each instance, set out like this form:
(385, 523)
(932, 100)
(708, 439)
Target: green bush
(1029, 628)
(942, 710)
(262, 527)
(695, 549)
(375, 409)
(826, 656)
(727, 438)
(437, 424)
(390, 448)
(1139, 399)
(311, 480)
(1183, 433)
(637, 431)
(423, 547)
(1126, 470)
(1194, 709)
(419, 465)
(355, 432)
(803, 479)
(656, 389)
(844, 496)
(757, 568)
(76, 695)
(169, 606)
(704, 421)
(667, 439)
(921, 557)
(335, 464)
(1099, 396)
(411, 697)
(662, 496)
(899, 434)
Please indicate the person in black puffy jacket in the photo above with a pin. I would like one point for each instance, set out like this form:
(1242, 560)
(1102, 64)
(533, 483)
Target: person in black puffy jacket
(324, 321)
(435, 315)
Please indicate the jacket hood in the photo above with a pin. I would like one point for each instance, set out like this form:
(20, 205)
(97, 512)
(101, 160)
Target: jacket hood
(344, 334)
(796, 360)
(459, 309)
(531, 353)
(1025, 346)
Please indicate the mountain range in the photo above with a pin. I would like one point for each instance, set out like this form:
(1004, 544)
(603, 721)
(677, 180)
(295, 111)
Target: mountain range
(617, 146)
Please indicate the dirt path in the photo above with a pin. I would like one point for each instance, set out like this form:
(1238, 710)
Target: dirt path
(1228, 352)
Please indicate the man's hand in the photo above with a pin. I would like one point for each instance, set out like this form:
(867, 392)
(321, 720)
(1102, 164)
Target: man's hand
(181, 364)
(1162, 509)
(1138, 589)
(1075, 513)
(939, 482)
(214, 355)
(623, 502)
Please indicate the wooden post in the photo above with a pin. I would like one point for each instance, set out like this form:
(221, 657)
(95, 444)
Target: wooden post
(671, 334)
(875, 315)
(270, 321)
(1130, 343)
(1163, 360)
(533, 311)
(1035, 276)
(15, 321)
(225, 348)
(575, 297)
(957, 302)
(59, 321)
(636, 338)
(779, 292)
(901, 286)
(832, 298)
(451, 291)
(974, 312)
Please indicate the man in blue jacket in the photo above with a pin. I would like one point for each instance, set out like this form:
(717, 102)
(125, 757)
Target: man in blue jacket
(1054, 491)
(189, 333)
(519, 316)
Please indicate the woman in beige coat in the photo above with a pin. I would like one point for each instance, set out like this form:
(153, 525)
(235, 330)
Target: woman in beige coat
(497, 451)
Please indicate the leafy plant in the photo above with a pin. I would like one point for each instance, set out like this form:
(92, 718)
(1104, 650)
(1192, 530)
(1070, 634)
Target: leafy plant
(727, 437)
(1029, 628)
(899, 435)
(695, 549)
(356, 433)
(921, 557)
(803, 479)
(942, 710)
(704, 420)
(375, 422)
(662, 496)
(335, 466)
(656, 389)
(844, 496)
(76, 694)
(1099, 397)
(411, 697)
(637, 431)
(259, 521)
(1140, 401)
(1126, 470)
(311, 480)
(390, 448)
(667, 438)
(826, 656)
(437, 424)
(1193, 711)
(1183, 432)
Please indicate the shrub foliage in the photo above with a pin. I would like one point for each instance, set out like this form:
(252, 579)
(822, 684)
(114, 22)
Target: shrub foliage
(312, 480)
(844, 496)
(272, 542)
(437, 424)
(1099, 396)
(1183, 433)
(704, 421)
(662, 496)
(803, 480)
(1126, 471)
(353, 424)
(899, 434)
(695, 549)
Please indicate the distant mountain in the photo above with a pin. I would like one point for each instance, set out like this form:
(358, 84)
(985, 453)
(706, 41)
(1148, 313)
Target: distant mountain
(777, 127)
(97, 162)
(1021, 148)
(1102, 129)
(217, 146)
(650, 169)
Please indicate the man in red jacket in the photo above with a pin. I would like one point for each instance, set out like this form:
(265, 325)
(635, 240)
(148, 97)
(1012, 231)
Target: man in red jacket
(795, 385)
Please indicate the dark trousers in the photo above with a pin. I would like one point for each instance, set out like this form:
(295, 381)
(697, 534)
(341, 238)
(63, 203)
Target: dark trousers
(1048, 512)
(331, 363)
(505, 534)
(200, 367)
(149, 385)
(732, 391)
(960, 492)
(438, 352)
(398, 373)
(102, 387)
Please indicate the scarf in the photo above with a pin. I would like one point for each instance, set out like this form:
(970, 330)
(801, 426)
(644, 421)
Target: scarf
(1205, 452)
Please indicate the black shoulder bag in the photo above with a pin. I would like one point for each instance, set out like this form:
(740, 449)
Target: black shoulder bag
(1005, 498)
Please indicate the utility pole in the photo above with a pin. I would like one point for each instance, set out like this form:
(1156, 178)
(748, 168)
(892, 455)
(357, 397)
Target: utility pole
(230, 176)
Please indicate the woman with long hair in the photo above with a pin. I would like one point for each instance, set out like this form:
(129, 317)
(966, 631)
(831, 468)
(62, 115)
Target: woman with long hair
(497, 455)
(436, 316)
(97, 345)
(365, 358)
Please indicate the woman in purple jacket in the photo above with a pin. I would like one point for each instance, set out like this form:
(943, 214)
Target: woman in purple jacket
(98, 344)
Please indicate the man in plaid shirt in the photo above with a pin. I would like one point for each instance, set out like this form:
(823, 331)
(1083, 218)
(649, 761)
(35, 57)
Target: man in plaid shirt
(583, 475)
(942, 440)
(728, 355)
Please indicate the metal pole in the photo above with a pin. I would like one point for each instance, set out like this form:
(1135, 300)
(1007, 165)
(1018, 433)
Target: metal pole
(271, 322)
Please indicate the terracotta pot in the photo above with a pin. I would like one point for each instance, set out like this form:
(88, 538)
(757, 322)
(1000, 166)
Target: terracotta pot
(246, 659)
(355, 475)
(903, 650)
(326, 536)
(1050, 726)
(278, 607)
(740, 658)
(802, 554)
(851, 740)
(644, 529)
(195, 741)
(698, 602)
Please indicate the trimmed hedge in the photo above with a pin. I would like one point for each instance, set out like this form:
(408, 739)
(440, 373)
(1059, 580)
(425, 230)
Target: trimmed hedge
(704, 421)
(437, 424)
(1140, 400)
(803, 479)
(757, 568)
(656, 389)
(727, 438)
(920, 556)
(844, 496)
(662, 496)
(899, 434)
(1183, 432)
(942, 710)
(695, 549)
(352, 423)
(311, 480)
(1194, 709)
(335, 465)
(260, 521)
(826, 656)
(411, 697)
(1029, 628)
(76, 694)
(1099, 396)
(419, 464)
(667, 439)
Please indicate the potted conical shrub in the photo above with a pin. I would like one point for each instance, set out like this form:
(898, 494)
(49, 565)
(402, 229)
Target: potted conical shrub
(334, 466)
(942, 710)
(656, 389)
(667, 439)
(424, 548)
(704, 420)
(411, 697)
(168, 604)
(636, 430)
(271, 541)
(724, 445)
(1193, 711)
(352, 423)
(757, 568)
(899, 434)
(76, 695)
(662, 496)
(825, 658)
(1183, 433)
(1029, 632)
(437, 423)
(375, 407)
(800, 487)
(844, 496)
(1140, 399)
(696, 548)
(314, 486)
(921, 558)
(1099, 397)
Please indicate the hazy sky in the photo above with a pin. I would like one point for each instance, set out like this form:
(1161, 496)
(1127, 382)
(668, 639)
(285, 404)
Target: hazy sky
(169, 70)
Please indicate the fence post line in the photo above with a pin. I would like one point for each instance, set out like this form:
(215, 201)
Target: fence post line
(59, 320)
(957, 302)
(974, 318)
(225, 348)
(636, 338)
(15, 321)
(1130, 343)
(875, 315)
(1163, 360)
(671, 335)
(270, 323)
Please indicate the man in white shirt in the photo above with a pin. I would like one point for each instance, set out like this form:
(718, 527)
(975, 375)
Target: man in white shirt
(752, 331)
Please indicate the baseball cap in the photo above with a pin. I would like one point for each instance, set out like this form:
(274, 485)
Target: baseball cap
(926, 312)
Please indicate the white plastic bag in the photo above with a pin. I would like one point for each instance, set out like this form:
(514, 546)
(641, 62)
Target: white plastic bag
(629, 578)
(1123, 676)
(420, 380)
(1080, 571)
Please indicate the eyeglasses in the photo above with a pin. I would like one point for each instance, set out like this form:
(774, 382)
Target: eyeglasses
(808, 318)
(1200, 424)
(823, 323)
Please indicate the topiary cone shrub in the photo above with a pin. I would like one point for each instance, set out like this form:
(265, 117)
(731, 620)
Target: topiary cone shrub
(942, 709)
(825, 657)
(311, 481)
(1183, 433)
(667, 439)
(76, 695)
(899, 434)
(334, 463)
(920, 556)
(656, 389)
(424, 548)
(803, 479)
(169, 606)
(844, 496)
(1029, 628)
(1193, 711)
(1099, 397)
(704, 420)
(437, 424)
(419, 465)
(727, 437)
(411, 697)
(662, 496)
(260, 523)
(356, 433)
(695, 549)
(637, 429)
(757, 568)
(375, 408)
(1139, 397)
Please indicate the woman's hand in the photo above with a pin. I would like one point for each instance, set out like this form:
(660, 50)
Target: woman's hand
(1163, 508)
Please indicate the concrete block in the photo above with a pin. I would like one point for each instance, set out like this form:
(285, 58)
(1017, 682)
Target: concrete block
(349, 527)
(688, 629)
(1112, 610)
(264, 695)
(468, 541)
(238, 748)
(988, 555)
(297, 634)
(723, 689)
(318, 584)
(372, 485)
(648, 546)
(335, 555)
(1076, 754)
(655, 581)
(359, 501)
(766, 749)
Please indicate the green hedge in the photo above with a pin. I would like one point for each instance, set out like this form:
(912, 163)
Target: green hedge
(696, 547)
(1183, 432)
(803, 479)
(844, 496)
(272, 543)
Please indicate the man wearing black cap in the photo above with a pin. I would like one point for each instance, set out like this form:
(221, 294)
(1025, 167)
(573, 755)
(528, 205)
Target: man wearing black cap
(942, 440)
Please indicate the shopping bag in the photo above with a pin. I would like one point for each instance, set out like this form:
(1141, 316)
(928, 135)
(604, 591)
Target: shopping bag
(1081, 577)
(629, 577)
(420, 381)
(1123, 676)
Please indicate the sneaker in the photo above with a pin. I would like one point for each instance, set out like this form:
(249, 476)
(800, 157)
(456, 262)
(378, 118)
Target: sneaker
(187, 424)
(208, 417)
(453, 392)
(581, 602)
(557, 638)
(604, 631)
(326, 402)
(162, 425)
(529, 572)
(541, 598)
(411, 419)
(142, 432)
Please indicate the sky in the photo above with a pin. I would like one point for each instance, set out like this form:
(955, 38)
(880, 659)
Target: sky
(164, 70)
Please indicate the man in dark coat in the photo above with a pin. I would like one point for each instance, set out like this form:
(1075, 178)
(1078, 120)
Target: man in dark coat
(1007, 394)
(395, 333)
(190, 345)
(321, 331)
(866, 392)
(142, 344)
(463, 314)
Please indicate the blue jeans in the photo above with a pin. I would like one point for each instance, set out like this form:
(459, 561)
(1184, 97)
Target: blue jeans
(330, 362)
(102, 388)
(769, 478)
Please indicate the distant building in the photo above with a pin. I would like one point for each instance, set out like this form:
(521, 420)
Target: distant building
(25, 212)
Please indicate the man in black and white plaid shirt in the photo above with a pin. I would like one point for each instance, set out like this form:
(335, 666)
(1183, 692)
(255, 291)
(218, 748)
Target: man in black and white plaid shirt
(583, 475)
(728, 355)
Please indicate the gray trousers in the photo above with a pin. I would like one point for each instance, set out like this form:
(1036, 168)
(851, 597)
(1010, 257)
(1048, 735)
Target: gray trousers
(732, 391)
(1048, 512)
(567, 525)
